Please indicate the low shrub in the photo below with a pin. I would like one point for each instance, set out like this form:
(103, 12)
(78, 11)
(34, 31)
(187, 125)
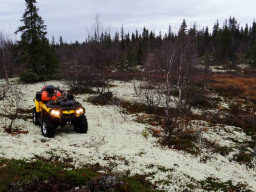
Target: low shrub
(212, 184)
(185, 140)
(133, 108)
(18, 175)
(102, 99)
(223, 150)
(145, 133)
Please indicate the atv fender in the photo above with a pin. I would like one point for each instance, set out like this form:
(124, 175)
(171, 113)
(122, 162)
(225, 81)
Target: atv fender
(38, 105)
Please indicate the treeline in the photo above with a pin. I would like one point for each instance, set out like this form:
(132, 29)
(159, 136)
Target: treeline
(226, 44)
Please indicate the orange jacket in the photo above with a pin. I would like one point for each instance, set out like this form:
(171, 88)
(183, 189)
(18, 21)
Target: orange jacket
(46, 97)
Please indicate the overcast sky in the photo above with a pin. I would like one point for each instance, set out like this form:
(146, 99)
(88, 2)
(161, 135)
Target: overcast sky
(72, 19)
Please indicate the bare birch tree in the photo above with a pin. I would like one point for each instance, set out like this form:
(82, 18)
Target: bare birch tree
(172, 76)
(94, 60)
(10, 94)
(10, 105)
(6, 56)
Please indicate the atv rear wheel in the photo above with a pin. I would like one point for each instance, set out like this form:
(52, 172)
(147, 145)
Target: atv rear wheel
(47, 128)
(81, 125)
(35, 116)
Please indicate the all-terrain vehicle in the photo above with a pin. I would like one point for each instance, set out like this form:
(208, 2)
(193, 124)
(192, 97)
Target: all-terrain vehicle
(65, 110)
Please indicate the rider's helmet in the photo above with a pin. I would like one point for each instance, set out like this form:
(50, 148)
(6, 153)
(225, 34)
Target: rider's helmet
(50, 89)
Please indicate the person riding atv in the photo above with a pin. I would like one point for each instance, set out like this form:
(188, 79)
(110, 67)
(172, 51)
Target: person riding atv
(49, 92)
(53, 109)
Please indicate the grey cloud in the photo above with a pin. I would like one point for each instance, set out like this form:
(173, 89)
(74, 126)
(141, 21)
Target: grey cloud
(71, 19)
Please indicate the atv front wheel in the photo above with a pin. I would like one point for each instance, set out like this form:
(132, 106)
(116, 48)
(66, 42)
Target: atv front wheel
(47, 128)
(81, 125)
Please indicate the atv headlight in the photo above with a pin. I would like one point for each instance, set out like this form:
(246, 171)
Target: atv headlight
(79, 111)
(55, 112)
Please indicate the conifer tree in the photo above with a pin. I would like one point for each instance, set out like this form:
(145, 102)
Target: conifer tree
(234, 32)
(35, 53)
(183, 29)
(61, 41)
(253, 44)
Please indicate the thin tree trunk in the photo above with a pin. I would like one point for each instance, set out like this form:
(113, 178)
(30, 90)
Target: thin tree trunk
(179, 81)
(167, 96)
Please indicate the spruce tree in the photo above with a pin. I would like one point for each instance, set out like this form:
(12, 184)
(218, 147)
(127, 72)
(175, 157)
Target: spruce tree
(234, 32)
(35, 53)
(183, 29)
(252, 51)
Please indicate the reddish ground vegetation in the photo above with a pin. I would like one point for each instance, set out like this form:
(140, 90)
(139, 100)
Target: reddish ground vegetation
(234, 85)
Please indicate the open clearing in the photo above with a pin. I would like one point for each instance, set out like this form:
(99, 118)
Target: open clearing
(116, 142)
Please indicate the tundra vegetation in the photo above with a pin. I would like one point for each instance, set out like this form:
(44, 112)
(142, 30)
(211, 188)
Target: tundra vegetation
(196, 75)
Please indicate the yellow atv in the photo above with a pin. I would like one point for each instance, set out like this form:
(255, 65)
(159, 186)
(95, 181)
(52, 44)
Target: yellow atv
(63, 111)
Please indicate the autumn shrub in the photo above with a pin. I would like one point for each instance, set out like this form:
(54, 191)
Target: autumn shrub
(223, 150)
(244, 119)
(19, 175)
(125, 76)
(234, 85)
(185, 140)
(181, 139)
(252, 99)
(213, 184)
(205, 102)
(102, 99)
(151, 119)
(243, 157)
(141, 108)
(76, 87)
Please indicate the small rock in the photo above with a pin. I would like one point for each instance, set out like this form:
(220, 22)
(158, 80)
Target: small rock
(43, 140)
(107, 183)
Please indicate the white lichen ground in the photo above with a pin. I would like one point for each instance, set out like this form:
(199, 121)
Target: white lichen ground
(117, 142)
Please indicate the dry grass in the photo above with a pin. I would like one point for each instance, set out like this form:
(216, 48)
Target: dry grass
(241, 91)
(235, 86)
